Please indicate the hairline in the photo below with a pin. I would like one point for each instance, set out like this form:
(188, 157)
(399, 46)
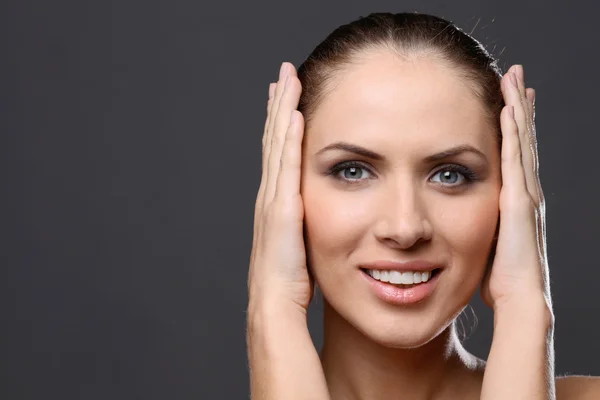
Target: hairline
(360, 56)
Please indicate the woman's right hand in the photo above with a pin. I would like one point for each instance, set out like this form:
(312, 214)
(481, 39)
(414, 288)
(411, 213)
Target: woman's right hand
(278, 273)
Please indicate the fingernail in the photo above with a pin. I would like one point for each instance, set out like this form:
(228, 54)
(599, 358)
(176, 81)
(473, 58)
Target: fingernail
(533, 97)
(271, 90)
(282, 70)
(513, 79)
(287, 81)
(521, 73)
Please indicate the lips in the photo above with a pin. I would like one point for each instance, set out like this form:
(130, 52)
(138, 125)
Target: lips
(398, 294)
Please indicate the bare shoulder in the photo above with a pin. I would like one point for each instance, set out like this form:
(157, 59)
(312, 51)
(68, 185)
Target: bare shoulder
(578, 387)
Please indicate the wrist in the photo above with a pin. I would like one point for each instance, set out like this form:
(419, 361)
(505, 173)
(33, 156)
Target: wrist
(279, 297)
(283, 361)
(266, 312)
(529, 310)
(521, 359)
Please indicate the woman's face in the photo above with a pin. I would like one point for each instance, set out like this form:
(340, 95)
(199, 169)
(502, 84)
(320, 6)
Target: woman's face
(409, 202)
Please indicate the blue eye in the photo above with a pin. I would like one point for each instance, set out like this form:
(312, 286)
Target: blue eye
(353, 172)
(350, 172)
(454, 175)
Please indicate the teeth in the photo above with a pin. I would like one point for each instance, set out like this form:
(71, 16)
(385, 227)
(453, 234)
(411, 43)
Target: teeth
(396, 277)
(385, 276)
(407, 278)
(417, 277)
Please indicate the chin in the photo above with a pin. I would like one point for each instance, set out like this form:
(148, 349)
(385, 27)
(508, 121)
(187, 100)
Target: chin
(399, 331)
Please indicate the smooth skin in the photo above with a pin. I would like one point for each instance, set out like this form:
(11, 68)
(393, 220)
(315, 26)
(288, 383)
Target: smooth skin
(284, 363)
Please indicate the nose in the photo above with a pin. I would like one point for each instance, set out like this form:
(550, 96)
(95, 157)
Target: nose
(402, 217)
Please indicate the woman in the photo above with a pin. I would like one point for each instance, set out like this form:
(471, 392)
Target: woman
(406, 177)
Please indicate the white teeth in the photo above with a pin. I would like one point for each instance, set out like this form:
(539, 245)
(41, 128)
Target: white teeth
(417, 277)
(385, 276)
(397, 277)
(407, 278)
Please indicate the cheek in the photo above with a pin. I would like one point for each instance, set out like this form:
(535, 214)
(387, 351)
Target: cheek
(333, 222)
(328, 220)
(469, 228)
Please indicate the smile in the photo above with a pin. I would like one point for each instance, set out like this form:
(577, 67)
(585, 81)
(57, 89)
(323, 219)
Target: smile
(397, 277)
(402, 288)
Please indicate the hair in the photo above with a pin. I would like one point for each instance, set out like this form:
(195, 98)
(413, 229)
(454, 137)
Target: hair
(408, 35)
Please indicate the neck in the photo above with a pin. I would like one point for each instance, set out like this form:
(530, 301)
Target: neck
(358, 368)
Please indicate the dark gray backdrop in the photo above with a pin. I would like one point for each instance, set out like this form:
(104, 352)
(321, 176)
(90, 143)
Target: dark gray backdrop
(131, 137)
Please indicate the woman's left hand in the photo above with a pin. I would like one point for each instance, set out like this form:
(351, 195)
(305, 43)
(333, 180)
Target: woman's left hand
(519, 274)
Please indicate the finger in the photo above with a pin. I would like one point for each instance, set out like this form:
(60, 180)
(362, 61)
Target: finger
(279, 86)
(264, 139)
(265, 135)
(520, 73)
(289, 102)
(275, 92)
(530, 94)
(272, 87)
(513, 97)
(541, 201)
(268, 148)
(525, 127)
(516, 205)
(258, 204)
(513, 178)
(288, 180)
(532, 130)
(529, 139)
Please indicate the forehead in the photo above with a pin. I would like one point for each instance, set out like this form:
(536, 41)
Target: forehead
(385, 101)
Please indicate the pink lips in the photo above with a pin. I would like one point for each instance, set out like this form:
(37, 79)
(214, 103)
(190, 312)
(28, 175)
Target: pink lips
(397, 295)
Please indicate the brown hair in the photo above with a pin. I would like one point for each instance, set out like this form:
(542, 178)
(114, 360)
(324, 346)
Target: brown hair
(406, 34)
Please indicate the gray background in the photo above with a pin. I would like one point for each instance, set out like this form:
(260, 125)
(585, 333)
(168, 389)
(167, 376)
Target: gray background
(131, 141)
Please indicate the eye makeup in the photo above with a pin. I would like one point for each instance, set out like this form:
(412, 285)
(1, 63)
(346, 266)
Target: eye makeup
(467, 174)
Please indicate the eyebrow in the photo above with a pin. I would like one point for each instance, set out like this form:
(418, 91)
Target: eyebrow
(352, 148)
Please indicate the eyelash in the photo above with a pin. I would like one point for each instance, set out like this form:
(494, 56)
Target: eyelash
(467, 173)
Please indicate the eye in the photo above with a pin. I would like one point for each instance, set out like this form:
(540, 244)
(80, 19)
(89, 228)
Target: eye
(453, 175)
(350, 172)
